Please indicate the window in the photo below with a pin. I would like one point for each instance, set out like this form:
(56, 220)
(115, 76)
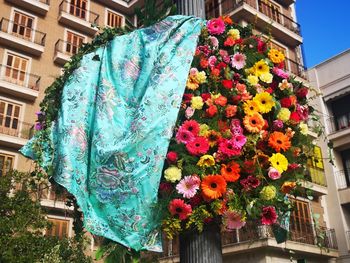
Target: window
(315, 167)
(9, 118)
(212, 8)
(22, 25)
(60, 228)
(271, 10)
(16, 69)
(74, 41)
(78, 8)
(51, 193)
(114, 20)
(6, 163)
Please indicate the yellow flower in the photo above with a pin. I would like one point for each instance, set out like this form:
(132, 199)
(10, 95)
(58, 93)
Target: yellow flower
(250, 107)
(285, 85)
(279, 162)
(287, 187)
(260, 68)
(304, 129)
(253, 80)
(201, 77)
(268, 193)
(197, 102)
(234, 33)
(172, 174)
(284, 114)
(266, 77)
(203, 129)
(264, 101)
(192, 83)
(276, 56)
(206, 161)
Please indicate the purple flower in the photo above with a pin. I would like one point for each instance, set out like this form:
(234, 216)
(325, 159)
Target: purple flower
(38, 126)
(277, 125)
(280, 72)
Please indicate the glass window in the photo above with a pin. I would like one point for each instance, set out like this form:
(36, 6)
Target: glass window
(73, 42)
(22, 25)
(6, 163)
(60, 228)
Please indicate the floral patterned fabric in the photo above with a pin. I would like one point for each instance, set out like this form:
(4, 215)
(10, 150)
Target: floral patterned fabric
(113, 130)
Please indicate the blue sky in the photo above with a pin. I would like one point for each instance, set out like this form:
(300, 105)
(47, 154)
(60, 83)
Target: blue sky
(325, 27)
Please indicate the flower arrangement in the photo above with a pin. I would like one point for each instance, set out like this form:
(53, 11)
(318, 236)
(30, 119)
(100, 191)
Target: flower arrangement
(236, 151)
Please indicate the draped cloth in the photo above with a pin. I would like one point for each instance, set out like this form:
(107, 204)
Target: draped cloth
(114, 126)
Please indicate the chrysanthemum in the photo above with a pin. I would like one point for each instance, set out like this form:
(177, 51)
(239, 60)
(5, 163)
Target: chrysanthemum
(198, 146)
(279, 162)
(213, 137)
(276, 56)
(172, 174)
(260, 68)
(227, 148)
(268, 215)
(287, 187)
(279, 141)
(177, 207)
(230, 171)
(250, 107)
(233, 220)
(191, 126)
(206, 161)
(188, 186)
(238, 60)
(264, 101)
(213, 186)
(184, 136)
(268, 192)
(254, 123)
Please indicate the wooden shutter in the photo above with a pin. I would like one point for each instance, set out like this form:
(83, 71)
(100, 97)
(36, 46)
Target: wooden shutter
(270, 9)
(16, 69)
(113, 19)
(78, 8)
(22, 25)
(301, 223)
(60, 228)
(6, 163)
(9, 118)
(73, 43)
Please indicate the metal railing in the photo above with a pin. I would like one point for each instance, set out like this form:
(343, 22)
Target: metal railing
(66, 47)
(79, 12)
(295, 68)
(19, 77)
(316, 176)
(338, 123)
(340, 178)
(14, 127)
(22, 31)
(227, 6)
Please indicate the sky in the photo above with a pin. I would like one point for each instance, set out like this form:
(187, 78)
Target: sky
(325, 27)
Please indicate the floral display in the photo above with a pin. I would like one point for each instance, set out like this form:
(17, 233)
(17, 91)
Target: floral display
(236, 151)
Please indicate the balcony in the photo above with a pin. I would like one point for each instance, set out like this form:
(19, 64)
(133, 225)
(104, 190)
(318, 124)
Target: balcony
(343, 186)
(315, 180)
(339, 130)
(124, 6)
(78, 18)
(21, 37)
(63, 51)
(296, 68)
(40, 7)
(18, 83)
(264, 17)
(14, 133)
(51, 197)
(285, 3)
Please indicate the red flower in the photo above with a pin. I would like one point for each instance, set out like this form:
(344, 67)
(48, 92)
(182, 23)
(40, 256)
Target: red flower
(204, 63)
(171, 157)
(236, 99)
(302, 92)
(215, 72)
(187, 97)
(196, 200)
(177, 207)
(221, 100)
(230, 111)
(269, 215)
(286, 102)
(229, 42)
(191, 126)
(165, 187)
(249, 166)
(221, 65)
(294, 117)
(198, 147)
(228, 148)
(227, 83)
(249, 183)
(205, 96)
(211, 111)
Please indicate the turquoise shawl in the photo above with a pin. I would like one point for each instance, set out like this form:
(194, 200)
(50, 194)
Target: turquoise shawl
(113, 129)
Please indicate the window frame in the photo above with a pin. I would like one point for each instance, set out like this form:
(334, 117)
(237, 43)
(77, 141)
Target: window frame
(114, 12)
(66, 31)
(61, 218)
(87, 18)
(279, 8)
(21, 114)
(12, 154)
(12, 17)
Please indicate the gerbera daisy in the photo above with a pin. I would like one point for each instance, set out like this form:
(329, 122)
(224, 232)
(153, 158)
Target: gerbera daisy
(260, 68)
(227, 147)
(188, 186)
(279, 162)
(238, 60)
(250, 107)
(233, 220)
(254, 123)
(287, 187)
(239, 140)
(184, 136)
(264, 101)
(213, 186)
(177, 207)
(213, 137)
(206, 161)
(279, 141)
(216, 26)
(230, 171)
(268, 215)
(276, 56)
(191, 126)
(198, 146)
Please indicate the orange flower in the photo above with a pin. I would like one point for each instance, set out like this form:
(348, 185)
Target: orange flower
(254, 123)
(230, 171)
(221, 101)
(230, 111)
(287, 187)
(213, 137)
(227, 20)
(213, 186)
(279, 141)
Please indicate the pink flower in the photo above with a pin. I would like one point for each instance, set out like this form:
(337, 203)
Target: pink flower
(238, 60)
(233, 220)
(235, 127)
(189, 112)
(184, 136)
(212, 61)
(239, 140)
(177, 207)
(280, 72)
(214, 42)
(188, 186)
(273, 173)
(198, 146)
(228, 148)
(191, 126)
(269, 215)
(216, 26)
(303, 112)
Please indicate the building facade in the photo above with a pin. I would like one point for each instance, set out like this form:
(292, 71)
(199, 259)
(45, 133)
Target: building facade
(37, 37)
(332, 80)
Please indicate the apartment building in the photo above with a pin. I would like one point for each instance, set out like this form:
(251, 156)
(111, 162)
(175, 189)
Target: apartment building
(332, 79)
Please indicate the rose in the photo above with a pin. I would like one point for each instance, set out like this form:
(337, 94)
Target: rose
(172, 157)
(302, 92)
(273, 173)
(211, 111)
(227, 83)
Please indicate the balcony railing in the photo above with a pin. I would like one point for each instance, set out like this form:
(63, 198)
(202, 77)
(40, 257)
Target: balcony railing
(14, 127)
(21, 31)
(338, 123)
(295, 68)
(81, 13)
(66, 47)
(340, 177)
(230, 5)
(19, 77)
(316, 176)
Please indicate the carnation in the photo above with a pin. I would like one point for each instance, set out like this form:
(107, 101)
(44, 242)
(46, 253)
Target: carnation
(197, 102)
(281, 73)
(234, 33)
(266, 77)
(172, 174)
(269, 215)
(284, 114)
(303, 128)
(171, 157)
(253, 80)
(273, 173)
